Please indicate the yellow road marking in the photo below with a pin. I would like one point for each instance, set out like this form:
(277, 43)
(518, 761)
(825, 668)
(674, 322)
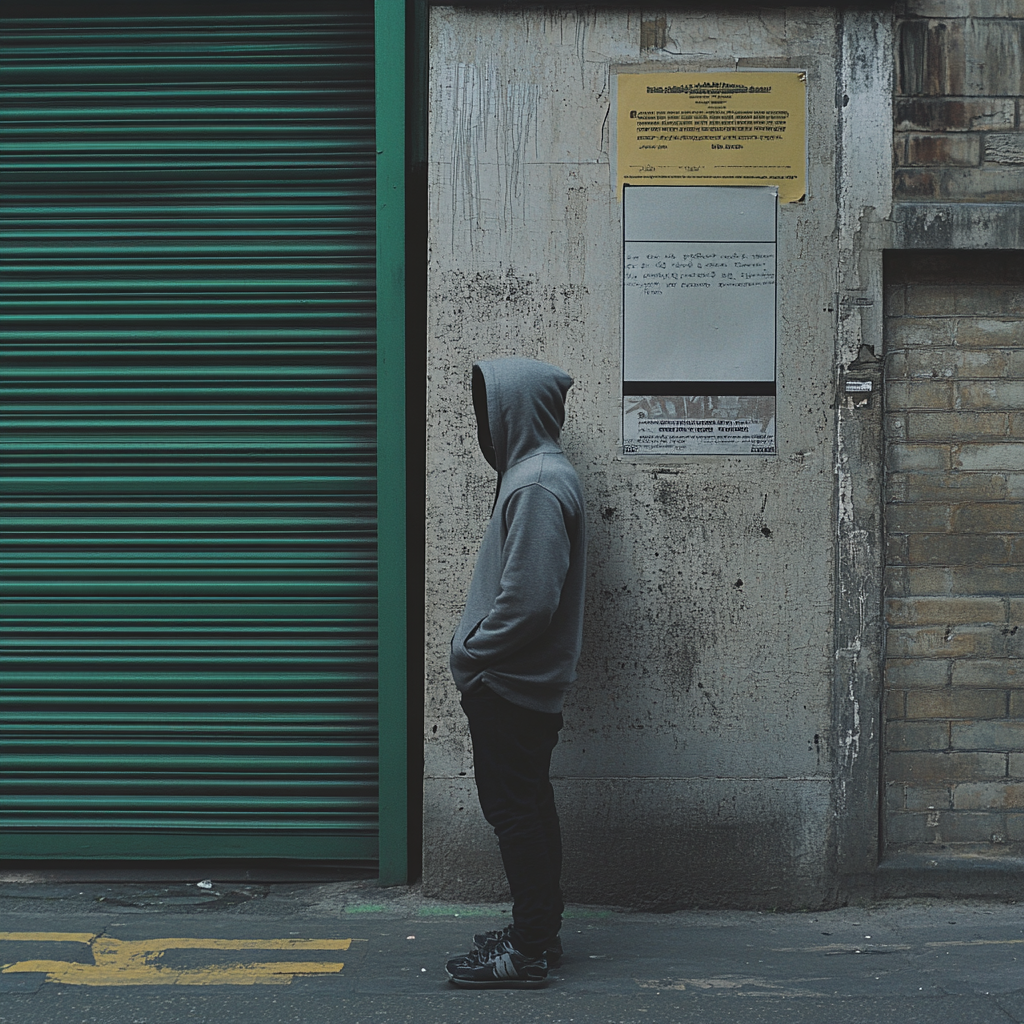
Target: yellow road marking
(47, 936)
(121, 962)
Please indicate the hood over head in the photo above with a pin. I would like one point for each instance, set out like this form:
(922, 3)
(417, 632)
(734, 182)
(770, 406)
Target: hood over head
(520, 408)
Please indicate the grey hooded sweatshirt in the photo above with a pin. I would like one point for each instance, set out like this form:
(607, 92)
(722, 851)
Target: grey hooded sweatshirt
(522, 628)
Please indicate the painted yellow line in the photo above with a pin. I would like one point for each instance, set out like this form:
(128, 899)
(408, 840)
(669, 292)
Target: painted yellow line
(163, 944)
(122, 962)
(47, 936)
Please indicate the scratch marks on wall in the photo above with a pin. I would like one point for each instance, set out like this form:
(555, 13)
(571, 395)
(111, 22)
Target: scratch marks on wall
(581, 49)
(493, 117)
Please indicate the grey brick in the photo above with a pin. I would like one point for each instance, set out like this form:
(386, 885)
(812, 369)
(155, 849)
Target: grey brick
(896, 487)
(946, 642)
(922, 363)
(911, 183)
(895, 798)
(895, 548)
(930, 767)
(919, 394)
(979, 363)
(929, 301)
(1016, 611)
(949, 149)
(932, 426)
(955, 702)
(990, 517)
(896, 365)
(1017, 766)
(957, 115)
(1015, 634)
(931, 60)
(927, 798)
(895, 426)
(991, 183)
(994, 57)
(1014, 485)
(1016, 704)
(993, 394)
(972, 826)
(894, 581)
(979, 579)
(918, 517)
(930, 581)
(917, 736)
(895, 299)
(948, 486)
(944, 610)
(961, 8)
(998, 673)
(895, 705)
(989, 332)
(977, 796)
(907, 827)
(1004, 735)
(956, 549)
(903, 457)
(995, 300)
(1003, 148)
(907, 673)
(1015, 366)
(1014, 827)
(978, 457)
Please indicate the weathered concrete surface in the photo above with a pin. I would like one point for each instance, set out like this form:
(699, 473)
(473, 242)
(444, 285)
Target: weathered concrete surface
(960, 65)
(958, 225)
(864, 191)
(697, 841)
(699, 746)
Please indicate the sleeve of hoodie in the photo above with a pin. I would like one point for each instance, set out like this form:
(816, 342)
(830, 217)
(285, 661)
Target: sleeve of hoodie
(535, 560)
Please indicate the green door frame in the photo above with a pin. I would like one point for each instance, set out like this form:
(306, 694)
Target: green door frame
(395, 25)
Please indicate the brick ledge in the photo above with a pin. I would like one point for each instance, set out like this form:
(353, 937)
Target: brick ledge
(950, 874)
(958, 225)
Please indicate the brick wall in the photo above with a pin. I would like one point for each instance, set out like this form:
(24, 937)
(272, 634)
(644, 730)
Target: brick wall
(954, 676)
(958, 103)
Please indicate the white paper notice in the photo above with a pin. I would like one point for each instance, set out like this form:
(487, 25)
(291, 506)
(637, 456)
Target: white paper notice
(699, 320)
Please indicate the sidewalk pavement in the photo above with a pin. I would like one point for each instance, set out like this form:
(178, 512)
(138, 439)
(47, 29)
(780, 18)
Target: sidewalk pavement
(290, 953)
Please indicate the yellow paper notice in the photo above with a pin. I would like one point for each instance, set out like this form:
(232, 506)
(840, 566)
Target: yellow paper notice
(714, 128)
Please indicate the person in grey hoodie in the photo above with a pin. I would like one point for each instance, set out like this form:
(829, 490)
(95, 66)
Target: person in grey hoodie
(514, 655)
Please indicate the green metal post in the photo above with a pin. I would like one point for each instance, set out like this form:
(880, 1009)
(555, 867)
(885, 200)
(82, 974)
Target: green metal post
(389, 47)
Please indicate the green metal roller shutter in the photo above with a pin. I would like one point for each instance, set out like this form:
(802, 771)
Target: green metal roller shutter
(188, 465)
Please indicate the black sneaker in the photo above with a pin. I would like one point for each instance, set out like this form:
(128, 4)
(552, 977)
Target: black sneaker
(489, 940)
(501, 967)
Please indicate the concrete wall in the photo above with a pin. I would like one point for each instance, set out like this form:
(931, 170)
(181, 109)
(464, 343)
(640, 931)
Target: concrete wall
(711, 744)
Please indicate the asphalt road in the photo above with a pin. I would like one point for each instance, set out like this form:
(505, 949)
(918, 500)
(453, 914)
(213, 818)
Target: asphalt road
(245, 953)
